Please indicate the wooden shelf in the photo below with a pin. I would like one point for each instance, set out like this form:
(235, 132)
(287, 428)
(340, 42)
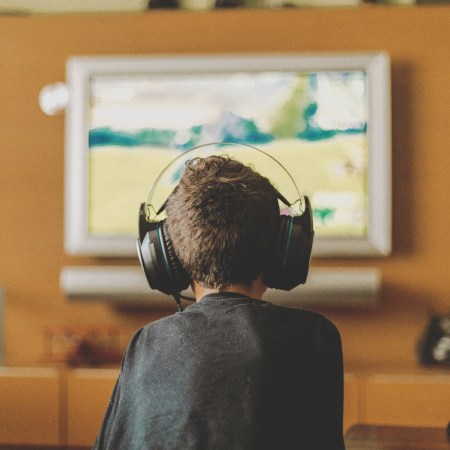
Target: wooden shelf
(67, 406)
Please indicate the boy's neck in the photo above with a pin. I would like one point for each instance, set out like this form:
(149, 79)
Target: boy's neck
(255, 289)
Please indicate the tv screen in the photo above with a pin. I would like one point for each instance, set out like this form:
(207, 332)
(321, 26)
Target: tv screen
(325, 119)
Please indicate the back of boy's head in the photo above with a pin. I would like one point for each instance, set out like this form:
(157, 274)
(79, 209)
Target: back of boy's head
(222, 219)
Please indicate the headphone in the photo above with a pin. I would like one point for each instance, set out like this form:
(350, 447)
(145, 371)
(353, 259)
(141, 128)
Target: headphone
(288, 267)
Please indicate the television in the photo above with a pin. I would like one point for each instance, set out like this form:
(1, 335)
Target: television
(325, 118)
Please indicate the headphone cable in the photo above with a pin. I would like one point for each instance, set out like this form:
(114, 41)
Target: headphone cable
(177, 296)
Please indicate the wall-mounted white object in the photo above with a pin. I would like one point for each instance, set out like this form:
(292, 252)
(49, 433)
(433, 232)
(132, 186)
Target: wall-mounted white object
(54, 98)
(337, 288)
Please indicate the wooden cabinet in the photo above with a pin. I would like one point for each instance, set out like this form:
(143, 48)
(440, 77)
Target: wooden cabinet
(419, 400)
(50, 407)
(350, 401)
(88, 394)
(30, 410)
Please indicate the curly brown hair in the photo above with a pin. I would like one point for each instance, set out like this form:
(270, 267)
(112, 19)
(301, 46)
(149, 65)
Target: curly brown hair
(222, 219)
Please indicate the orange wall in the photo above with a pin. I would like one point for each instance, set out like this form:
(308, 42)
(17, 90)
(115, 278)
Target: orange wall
(33, 51)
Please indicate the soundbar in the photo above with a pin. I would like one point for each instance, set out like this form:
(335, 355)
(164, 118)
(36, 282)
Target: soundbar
(336, 288)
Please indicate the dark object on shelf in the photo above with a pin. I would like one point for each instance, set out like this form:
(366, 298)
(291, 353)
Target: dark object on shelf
(434, 345)
(160, 4)
(82, 346)
(229, 3)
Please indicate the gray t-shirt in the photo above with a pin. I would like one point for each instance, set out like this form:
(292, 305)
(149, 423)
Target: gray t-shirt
(229, 372)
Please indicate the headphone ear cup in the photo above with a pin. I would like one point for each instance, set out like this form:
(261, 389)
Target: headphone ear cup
(292, 252)
(274, 269)
(161, 266)
(178, 275)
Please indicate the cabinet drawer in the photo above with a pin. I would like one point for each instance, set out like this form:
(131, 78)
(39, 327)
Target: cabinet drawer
(408, 400)
(88, 394)
(350, 401)
(29, 406)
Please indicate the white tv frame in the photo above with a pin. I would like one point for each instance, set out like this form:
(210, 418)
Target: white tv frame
(377, 66)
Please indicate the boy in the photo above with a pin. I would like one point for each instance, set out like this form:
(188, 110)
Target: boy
(231, 371)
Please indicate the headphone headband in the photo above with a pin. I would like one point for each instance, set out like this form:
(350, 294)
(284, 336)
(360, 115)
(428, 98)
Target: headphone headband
(220, 149)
